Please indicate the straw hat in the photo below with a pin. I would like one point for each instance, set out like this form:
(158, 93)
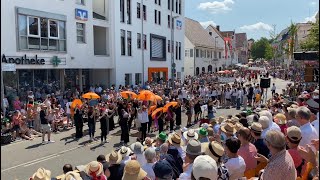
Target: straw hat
(124, 151)
(148, 141)
(213, 149)
(133, 171)
(175, 139)
(94, 167)
(256, 127)
(229, 128)
(190, 134)
(193, 147)
(42, 174)
(294, 133)
(205, 167)
(238, 126)
(113, 158)
(280, 119)
(220, 119)
(72, 175)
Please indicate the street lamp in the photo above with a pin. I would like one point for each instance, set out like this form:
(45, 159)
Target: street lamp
(172, 51)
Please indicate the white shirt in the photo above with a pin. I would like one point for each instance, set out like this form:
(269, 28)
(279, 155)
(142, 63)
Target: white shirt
(272, 126)
(227, 94)
(273, 88)
(308, 133)
(236, 167)
(68, 107)
(141, 159)
(315, 124)
(143, 117)
(148, 169)
(186, 175)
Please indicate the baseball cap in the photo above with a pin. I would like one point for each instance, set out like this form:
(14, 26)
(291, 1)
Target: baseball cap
(206, 167)
(162, 169)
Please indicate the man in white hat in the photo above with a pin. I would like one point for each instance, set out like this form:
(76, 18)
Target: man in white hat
(193, 150)
(307, 130)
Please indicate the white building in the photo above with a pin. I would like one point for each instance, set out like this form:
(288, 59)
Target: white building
(78, 43)
(203, 50)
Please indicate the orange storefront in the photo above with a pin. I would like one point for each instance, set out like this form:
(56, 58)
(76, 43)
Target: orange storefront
(157, 73)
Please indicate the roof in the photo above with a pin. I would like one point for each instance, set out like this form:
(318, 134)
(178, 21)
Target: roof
(241, 40)
(197, 35)
(215, 29)
(227, 33)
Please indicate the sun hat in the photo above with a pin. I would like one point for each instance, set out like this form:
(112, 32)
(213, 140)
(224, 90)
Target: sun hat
(280, 119)
(193, 147)
(175, 139)
(205, 125)
(220, 119)
(42, 174)
(203, 132)
(213, 149)
(205, 167)
(228, 128)
(72, 175)
(256, 127)
(294, 133)
(316, 91)
(238, 126)
(162, 169)
(113, 158)
(137, 148)
(190, 134)
(94, 167)
(133, 171)
(148, 141)
(124, 151)
(162, 136)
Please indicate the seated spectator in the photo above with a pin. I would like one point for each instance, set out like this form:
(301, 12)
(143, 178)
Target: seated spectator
(150, 155)
(281, 120)
(41, 174)
(163, 170)
(280, 164)
(235, 163)
(67, 168)
(94, 170)
(203, 135)
(115, 166)
(204, 167)
(247, 151)
(264, 121)
(125, 153)
(174, 140)
(102, 159)
(291, 117)
(72, 176)
(133, 171)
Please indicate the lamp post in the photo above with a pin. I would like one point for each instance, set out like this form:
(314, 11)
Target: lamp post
(172, 46)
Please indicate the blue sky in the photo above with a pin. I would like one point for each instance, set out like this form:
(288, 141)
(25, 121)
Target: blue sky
(255, 17)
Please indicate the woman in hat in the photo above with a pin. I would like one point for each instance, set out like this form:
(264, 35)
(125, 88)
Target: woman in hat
(94, 170)
(133, 171)
(116, 168)
(247, 151)
(281, 120)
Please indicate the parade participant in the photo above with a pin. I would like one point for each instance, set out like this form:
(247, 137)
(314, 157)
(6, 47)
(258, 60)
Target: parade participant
(91, 123)
(78, 121)
(143, 119)
(124, 126)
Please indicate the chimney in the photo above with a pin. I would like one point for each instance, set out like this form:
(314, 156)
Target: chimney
(218, 27)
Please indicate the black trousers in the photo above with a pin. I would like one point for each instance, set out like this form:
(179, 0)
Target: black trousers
(103, 134)
(178, 120)
(79, 131)
(149, 123)
(124, 131)
(143, 130)
(171, 125)
(160, 124)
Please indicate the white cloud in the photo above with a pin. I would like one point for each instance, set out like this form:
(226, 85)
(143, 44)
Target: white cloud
(207, 23)
(260, 26)
(313, 3)
(312, 18)
(216, 6)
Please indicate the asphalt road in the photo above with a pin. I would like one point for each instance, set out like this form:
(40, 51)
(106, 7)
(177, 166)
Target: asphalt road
(21, 159)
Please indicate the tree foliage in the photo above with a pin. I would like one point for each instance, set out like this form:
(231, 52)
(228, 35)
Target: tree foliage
(312, 42)
(262, 49)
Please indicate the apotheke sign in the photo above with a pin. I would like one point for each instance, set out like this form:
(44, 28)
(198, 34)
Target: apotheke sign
(23, 60)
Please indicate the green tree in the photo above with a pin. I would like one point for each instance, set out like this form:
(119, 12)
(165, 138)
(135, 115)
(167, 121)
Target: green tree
(312, 41)
(293, 29)
(261, 49)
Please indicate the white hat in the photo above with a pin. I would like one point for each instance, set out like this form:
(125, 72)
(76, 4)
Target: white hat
(190, 134)
(42, 174)
(316, 91)
(137, 148)
(206, 167)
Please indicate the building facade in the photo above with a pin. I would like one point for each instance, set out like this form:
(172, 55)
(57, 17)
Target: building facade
(242, 47)
(203, 50)
(77, 43)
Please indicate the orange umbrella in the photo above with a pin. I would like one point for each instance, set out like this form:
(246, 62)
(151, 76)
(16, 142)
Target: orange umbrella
(155, 112)
(128, 94)
(146, 95)
(165, 108)
(91, 95)
(151, 109)
(156, 99)
(76, 102)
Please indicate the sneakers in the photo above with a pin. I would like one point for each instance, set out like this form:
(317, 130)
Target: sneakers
(106, 141)
(50, 141)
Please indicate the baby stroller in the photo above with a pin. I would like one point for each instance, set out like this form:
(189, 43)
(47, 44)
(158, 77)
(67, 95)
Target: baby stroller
(204, 119)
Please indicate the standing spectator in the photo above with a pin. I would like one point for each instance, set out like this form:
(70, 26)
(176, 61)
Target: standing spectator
(68, 111)
(102, 159)
(94, 171)
(16, 121)
(204, 167)
(150, 156)
(193, 150)
(280, 165)
(115, 166)
(308, 132)
(138, 150)
(133, 171)
(235, 163)
(256, 130)
(273, 89)
(17, 104)
(45, 126)
(292, 117)
(162, 170)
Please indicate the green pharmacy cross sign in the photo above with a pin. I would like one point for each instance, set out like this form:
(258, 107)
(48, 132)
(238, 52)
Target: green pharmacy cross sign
(55, 61)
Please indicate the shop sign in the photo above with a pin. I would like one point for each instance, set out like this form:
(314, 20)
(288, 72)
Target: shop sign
(81, 14)
(22, 60)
